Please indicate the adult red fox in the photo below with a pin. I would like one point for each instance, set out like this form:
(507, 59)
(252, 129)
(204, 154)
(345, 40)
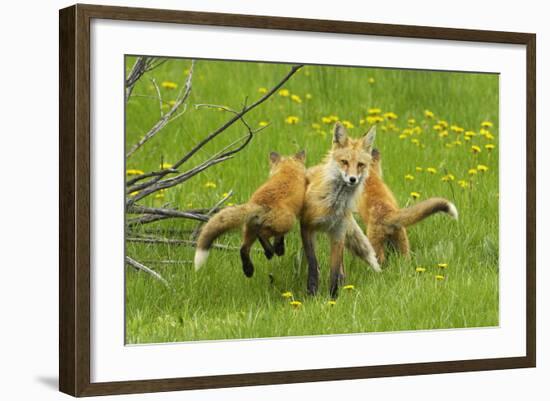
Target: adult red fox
(333, 187)
(270, 212)
(385, 221)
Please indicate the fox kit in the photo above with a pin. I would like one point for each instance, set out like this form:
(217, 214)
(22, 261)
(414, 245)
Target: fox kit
(333, 188)
(385, 221)
(270, 212)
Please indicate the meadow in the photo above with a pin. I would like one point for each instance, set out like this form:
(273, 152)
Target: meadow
(438, 136)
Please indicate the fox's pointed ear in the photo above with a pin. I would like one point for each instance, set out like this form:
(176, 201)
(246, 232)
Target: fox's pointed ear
(274, 157)
(340, 135)
(368, 139)
(300, 156)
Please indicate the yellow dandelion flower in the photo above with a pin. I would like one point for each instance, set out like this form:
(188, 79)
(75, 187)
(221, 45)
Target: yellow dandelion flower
(210, 184)
(437, 127)
(165, 166)
(308, 96)
(472, 171)
(409, 177)
(295, 304)
(169, 85)
(415, 195)
(420, 269)
(348, 287)
(284, 93)
(482, 168)
(134, 171)
(489, 146)
(374, 110)
(419, 169)
(230, 204)
(403, 136)
(134, 193)
(457, 129)
(487, 124)
(442, 265)
(417, 130)
(286, 294)
(415, 141)
(443, 124)
(292, 120)
(476, 149)
(374, 119)
(470, 133)
(428, 114)
(390, 115)
(431, 170)
(331, 303)
(225, 194)
(489, 136)
(443, 134)
(172, 102)
(263, 123)
(296, 98)
(411, 121)
(334, 118)
(371, 80)
(439, 277)
(347, 124)
(448, 177)
(362, 121)
(316, 126)
(463, 183)
(262, 90)
(384, 129)
(326, 120)
(458, 143)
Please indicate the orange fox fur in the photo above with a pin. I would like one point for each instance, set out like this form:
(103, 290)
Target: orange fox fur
(385, 221)
(271, 212)
(333, 188)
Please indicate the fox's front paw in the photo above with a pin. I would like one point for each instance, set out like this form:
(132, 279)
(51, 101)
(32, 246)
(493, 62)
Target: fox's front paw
(374, 264)
(280, 247)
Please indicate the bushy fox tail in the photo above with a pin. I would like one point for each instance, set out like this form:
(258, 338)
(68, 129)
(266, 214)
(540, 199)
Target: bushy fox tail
(358, 243)
(413, 214)
(225, 220)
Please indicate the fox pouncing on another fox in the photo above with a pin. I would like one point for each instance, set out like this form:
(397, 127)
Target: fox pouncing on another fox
(271, 212)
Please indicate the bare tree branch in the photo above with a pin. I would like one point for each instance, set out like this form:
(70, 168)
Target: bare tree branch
(146, 269)
(167, 212)
(166, 118)
(214, 134)
(170, 241)
(140, 67)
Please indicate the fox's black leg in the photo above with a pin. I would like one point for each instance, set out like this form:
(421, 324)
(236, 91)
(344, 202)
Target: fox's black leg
(268, 248)
(279, 245)
(313, 266)
(336, 266)
(248, 239)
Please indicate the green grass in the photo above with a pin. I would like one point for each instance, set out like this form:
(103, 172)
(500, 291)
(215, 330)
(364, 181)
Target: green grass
(219, 302)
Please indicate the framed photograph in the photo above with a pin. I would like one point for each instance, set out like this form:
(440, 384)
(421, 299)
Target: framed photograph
(249, 200)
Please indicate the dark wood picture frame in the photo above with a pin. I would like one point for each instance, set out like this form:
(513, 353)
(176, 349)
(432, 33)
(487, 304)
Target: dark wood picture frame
(74, 199)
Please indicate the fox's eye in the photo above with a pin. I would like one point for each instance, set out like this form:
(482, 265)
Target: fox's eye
(361, 165)
(344, 162)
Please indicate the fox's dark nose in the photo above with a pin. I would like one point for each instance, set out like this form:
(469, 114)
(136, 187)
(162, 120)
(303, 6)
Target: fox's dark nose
(352, 180)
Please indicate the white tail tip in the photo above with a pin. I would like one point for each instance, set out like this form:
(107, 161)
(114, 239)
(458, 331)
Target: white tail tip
(453, 211)
(200, 258)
